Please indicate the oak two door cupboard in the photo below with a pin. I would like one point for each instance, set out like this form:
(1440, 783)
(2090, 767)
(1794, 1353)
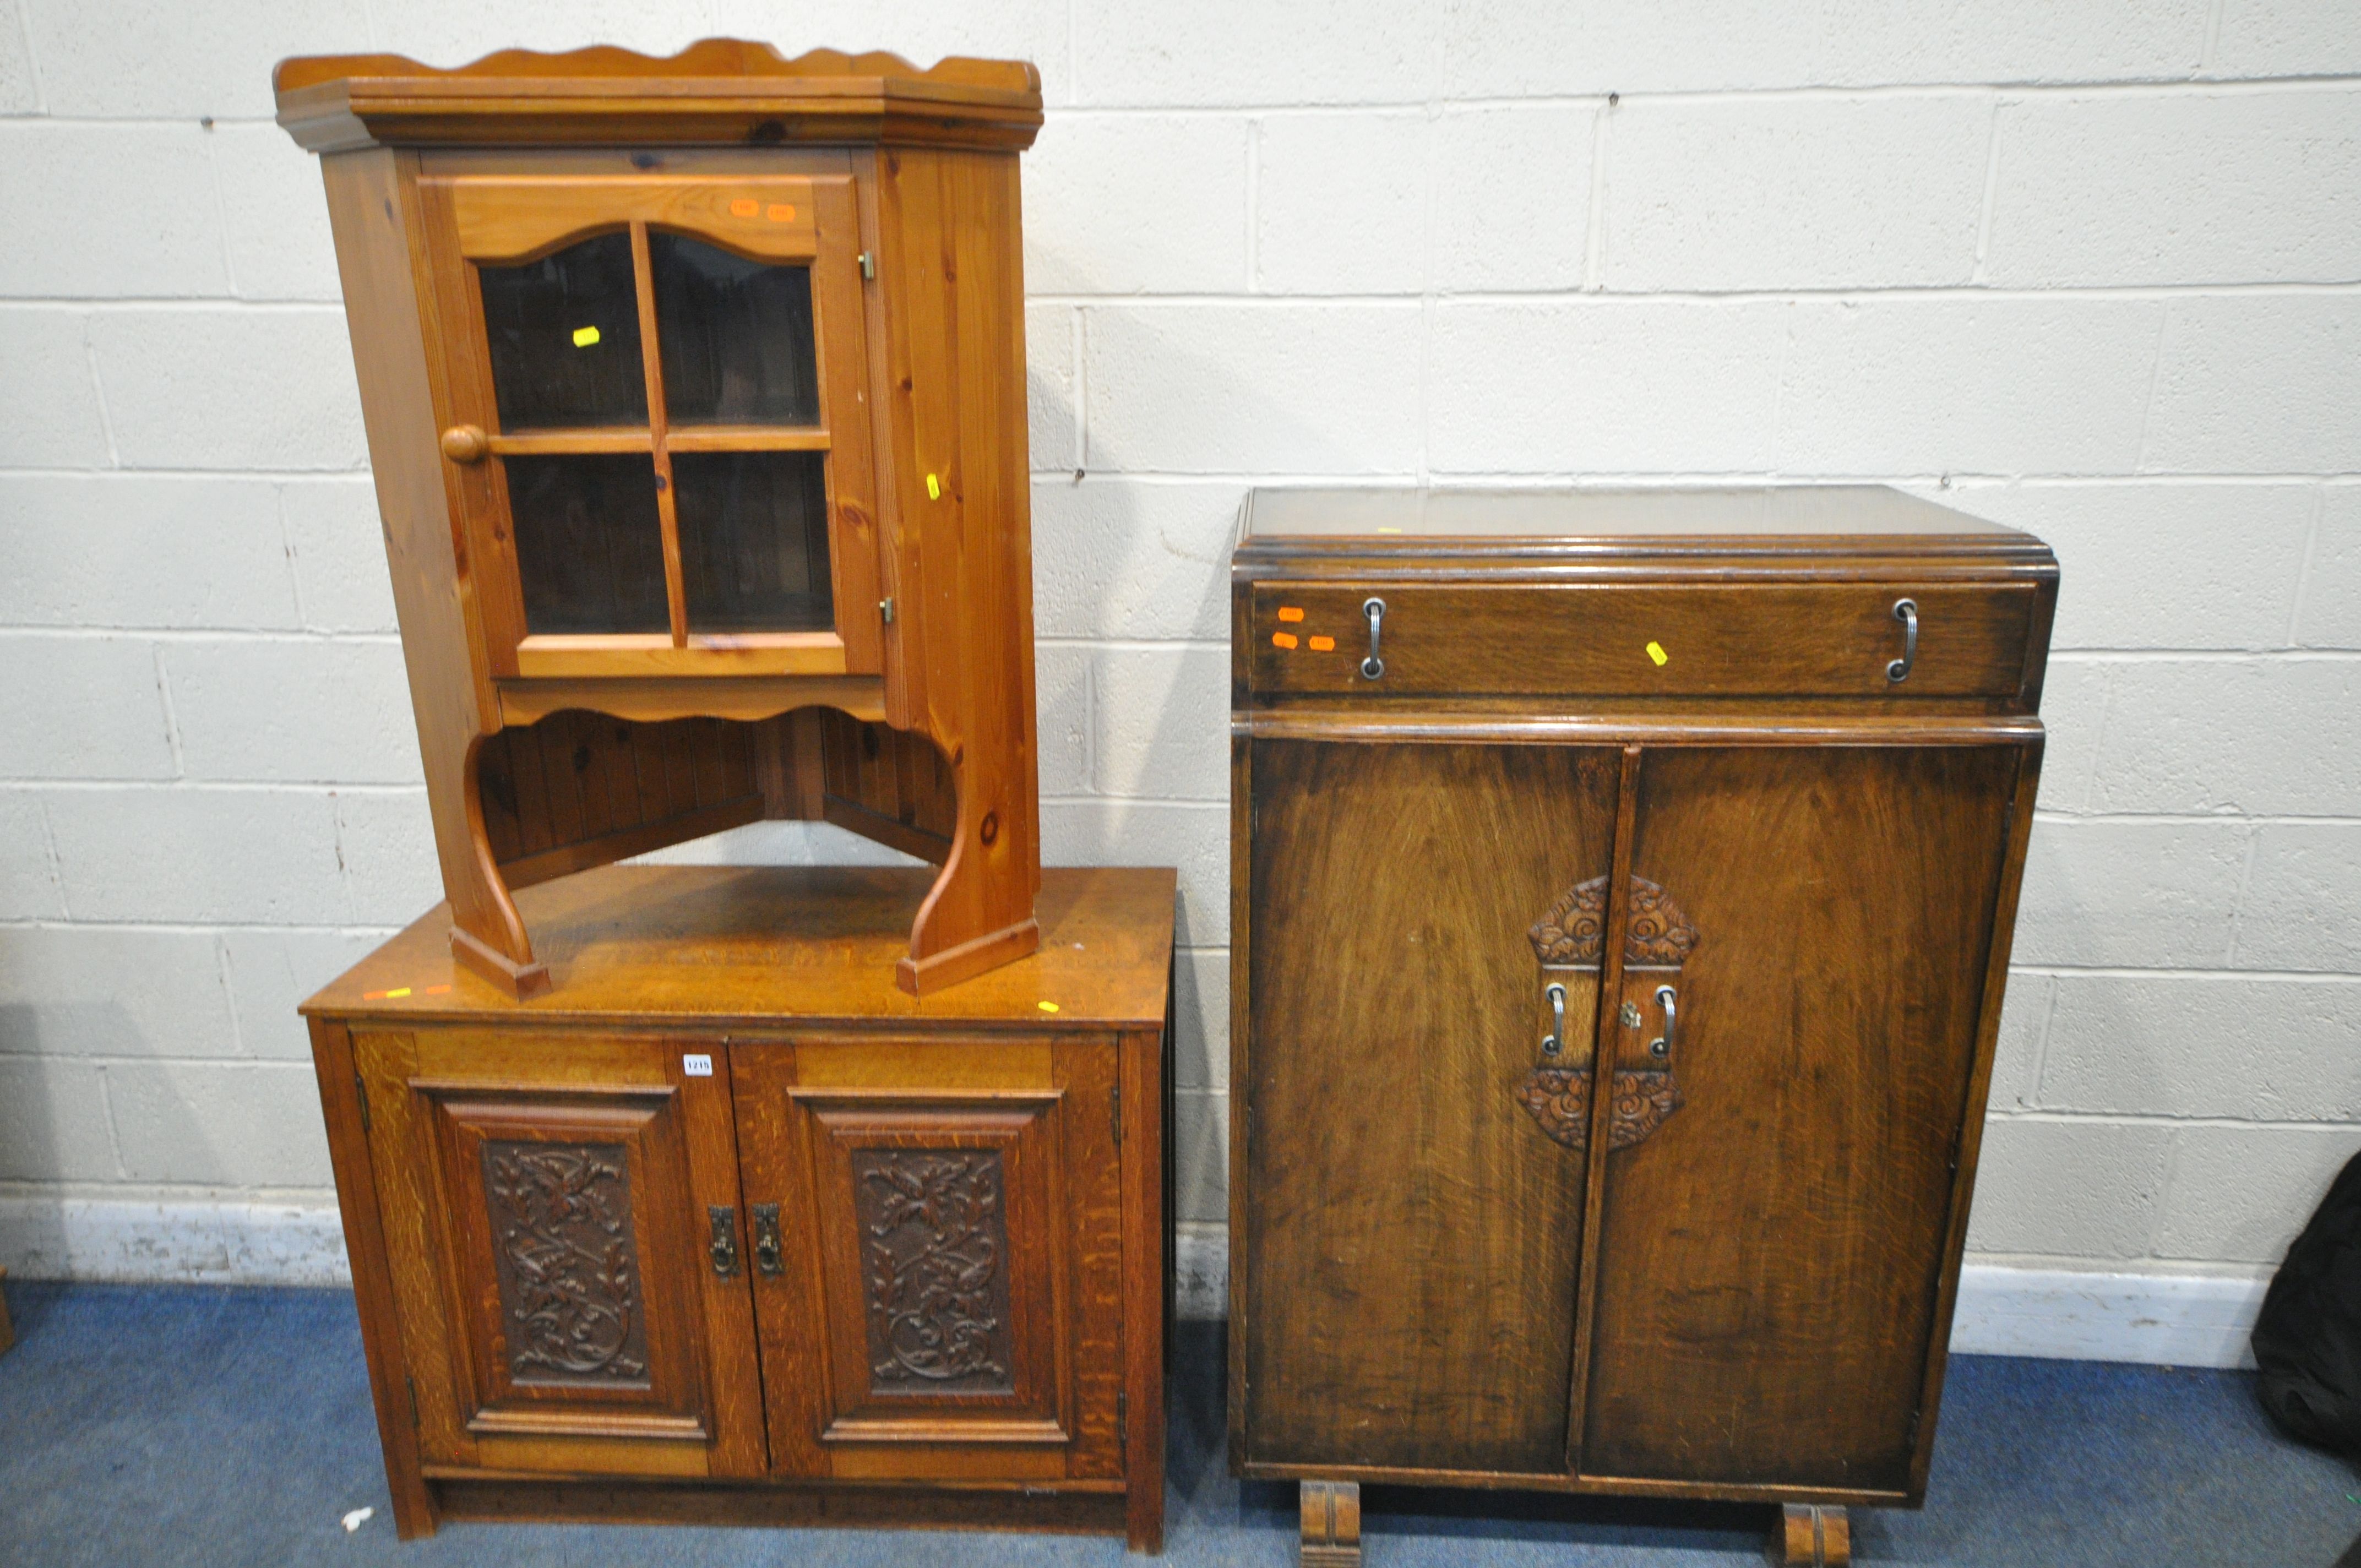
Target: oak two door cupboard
(1716, 798)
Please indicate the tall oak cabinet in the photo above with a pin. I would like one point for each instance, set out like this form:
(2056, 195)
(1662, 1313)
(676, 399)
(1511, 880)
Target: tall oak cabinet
(1621, 892)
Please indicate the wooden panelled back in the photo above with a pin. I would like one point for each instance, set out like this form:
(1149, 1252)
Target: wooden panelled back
(1414, 1238)
(1768, 1257)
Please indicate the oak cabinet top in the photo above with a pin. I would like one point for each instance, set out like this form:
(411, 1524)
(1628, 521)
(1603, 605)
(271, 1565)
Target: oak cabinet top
(716, 92)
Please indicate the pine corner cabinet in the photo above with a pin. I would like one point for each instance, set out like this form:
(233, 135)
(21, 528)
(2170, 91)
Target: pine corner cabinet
(695, 394)
(1719, 798)
(727, 1228)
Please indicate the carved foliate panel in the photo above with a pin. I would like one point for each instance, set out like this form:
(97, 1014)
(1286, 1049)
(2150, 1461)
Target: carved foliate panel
(934, 1259)
(1574, 929)
(1559, 1099)
(572, 1307)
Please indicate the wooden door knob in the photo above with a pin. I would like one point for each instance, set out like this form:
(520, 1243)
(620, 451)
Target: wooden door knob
(466, 443)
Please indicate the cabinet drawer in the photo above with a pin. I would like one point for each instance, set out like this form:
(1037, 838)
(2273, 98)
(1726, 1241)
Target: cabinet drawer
(1727, 640)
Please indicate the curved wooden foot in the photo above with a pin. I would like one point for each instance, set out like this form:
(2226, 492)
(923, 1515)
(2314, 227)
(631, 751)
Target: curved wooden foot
(1813, 1534)
(1332, 1524)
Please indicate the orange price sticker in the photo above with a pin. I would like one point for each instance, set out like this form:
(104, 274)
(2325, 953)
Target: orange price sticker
(1323, 644)
(780, 213)
(1282, 639)
(745, 207)
(1291, 612)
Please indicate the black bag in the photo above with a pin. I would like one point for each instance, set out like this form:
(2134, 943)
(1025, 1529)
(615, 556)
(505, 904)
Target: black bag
(2308, 1340)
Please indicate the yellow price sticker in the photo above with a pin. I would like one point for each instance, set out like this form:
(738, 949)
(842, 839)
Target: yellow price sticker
(934, 488)
(1046, 1006)
(1657, 651)
(584, 336)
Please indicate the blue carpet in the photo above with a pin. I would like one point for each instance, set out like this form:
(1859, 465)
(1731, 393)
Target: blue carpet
(198, 1426)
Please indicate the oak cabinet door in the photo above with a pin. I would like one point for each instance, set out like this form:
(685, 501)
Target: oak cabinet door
(1412, 1186)
(559, 1217)
(1770, 1247)
(937, 1254)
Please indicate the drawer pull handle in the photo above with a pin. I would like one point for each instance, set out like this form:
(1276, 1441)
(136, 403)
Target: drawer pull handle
(1556, 1040)
(1906, 612)
(766, 1240)
(1374, 608)
(1661, 1046)
(722, 1221)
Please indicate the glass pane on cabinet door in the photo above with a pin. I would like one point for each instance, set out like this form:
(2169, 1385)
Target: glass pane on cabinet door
(589, 548)
(736, 336)
(753, 540)
(564, 336)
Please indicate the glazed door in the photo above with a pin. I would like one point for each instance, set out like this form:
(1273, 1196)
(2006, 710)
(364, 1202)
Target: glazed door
(562, 1220)
(1411, 1184)
(1771, 1233)
(937, 1254)
(656, 426)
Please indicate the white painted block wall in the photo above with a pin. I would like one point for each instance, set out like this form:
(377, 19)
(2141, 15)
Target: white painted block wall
(2091, 268)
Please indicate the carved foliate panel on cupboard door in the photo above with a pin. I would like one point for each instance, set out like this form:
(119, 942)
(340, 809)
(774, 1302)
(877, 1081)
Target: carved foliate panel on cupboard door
(948, 1255)
(1765, 1288)
(553, 1234)
(1411, 1239)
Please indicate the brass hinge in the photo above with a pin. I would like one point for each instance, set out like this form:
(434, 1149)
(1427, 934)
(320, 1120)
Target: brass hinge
(360, 1088)
(1122, 1424)
(412, 1384)
(885, 608)
(868, 265)
(1114, 1110)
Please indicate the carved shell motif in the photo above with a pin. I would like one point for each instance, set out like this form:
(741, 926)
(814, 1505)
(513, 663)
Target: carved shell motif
(1559, 1099)
(1574, 929)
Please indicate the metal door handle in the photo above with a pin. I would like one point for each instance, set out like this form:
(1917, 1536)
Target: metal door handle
(1906, 612)
(1661, 1046)
(723, 1246)
(1556, 1040)
(1374, 608)
(766, 1240)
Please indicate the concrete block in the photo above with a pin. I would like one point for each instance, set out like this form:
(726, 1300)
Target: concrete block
(272, 973)
(1201, 1019)
(50, 414)
(386, 842)
(198, 854)
(337, 543)
(2144, 895)
(1501, 48)
(93, 211)
(2187, 188)
(2262, 737)
(452, 32)
(275, 215)
(1138, 53)
(1162, 723)
(1115, 558)
(2163, 565)
(28, 878)
(1788, 193)
(220, 1123)
(1062, 722)
(1137, 204)
(1259, 388)
(2069, 1189)
(1200, 1155)
(1340, 203)
(2257, 1050)
(1052, 396)
(2240, 1194)
(922, 31)
(2302, 903)
(112, 991)
(1512, 196)
(294, 711)
(2074, 711)
(1194, 837)
(2024, 1028)
(2256, 384)
(109, 550)
(2287, 37)
(1605, 386)
(1919, 385)
(157, 59)
(230, 389)
(2329, 613)
(53, 1121)
(20, 94)
(93, 712)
